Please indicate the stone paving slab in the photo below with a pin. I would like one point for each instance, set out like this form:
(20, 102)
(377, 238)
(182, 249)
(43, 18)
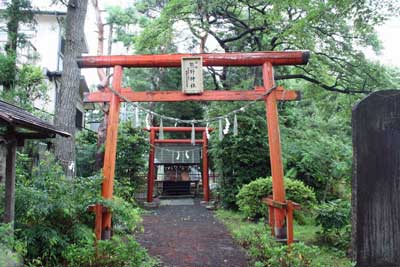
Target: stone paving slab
(189, 236)
(177, 202)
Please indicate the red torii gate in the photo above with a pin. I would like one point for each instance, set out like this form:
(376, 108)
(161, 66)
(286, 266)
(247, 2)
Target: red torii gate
(265, 59)
(154, 141)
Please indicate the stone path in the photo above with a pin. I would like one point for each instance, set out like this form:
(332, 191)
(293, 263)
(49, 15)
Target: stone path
(182, 233)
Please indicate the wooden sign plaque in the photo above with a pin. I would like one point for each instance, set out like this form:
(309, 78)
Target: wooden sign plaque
(192, 75)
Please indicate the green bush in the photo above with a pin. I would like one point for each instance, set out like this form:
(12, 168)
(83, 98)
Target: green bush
(51, 214)
(250, 195)
(7, 68)
(130, 162)
(298, 255)
(333, 215)
(131, 154)
(11, 250)
(117, 252)
(264, 251)
(27, 82)
(239, 159)
(51, 211)
(334, 218)
(2, 195)
(86, 147)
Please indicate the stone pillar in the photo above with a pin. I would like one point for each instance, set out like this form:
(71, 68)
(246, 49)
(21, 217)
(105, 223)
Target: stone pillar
(376, 180)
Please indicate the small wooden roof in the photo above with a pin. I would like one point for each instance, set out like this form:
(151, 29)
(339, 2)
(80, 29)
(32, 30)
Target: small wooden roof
(24, 124)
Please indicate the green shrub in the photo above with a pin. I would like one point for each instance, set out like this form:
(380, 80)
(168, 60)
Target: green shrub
(298, 255)
(27, 82)
(51, 211)
(130, 162)
(86, 147)
(7, 68)
(126, 217)
(117, 252)
(239, 159)
(11, 250)
(334, 218)
(250, 195)
(51, 214)
(333, 215)
(264, 251)
(2, 195)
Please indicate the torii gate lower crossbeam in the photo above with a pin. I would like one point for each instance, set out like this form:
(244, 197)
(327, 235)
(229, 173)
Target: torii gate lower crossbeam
(265, 59)
(153, 141)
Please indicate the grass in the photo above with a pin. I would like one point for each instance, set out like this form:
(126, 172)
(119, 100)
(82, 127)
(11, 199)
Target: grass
(255, 238)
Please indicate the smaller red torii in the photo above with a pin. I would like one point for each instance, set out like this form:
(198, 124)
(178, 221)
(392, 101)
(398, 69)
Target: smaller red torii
(153, 141)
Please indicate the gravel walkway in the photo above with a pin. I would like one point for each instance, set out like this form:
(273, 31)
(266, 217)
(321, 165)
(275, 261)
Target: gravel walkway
(182, 233)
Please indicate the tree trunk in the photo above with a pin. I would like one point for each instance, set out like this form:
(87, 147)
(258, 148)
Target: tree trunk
(3, 155)
(101, 140)
(9, 212)
(100, 37)
(110, 42)
(102, 131)
(66, 100)
(13, 19)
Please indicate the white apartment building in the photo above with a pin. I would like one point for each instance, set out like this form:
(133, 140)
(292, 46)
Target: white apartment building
(45, 48)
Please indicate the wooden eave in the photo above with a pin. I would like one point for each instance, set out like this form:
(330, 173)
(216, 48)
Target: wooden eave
(25, 125)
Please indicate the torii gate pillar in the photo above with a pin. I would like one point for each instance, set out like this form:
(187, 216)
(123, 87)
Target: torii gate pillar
(103, 216)
(206, 186)
(274, 140)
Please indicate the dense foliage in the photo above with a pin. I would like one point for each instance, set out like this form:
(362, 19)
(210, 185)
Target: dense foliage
(28, 86)
(132, 152)
(124, 252)
(333, 31)
(86, 146)
(233, 156)
(11, 250)
(316, 142)
(264, 251)
(250, 195)
(334, 218)
(17, 13)
(52, 220)
(131, 157)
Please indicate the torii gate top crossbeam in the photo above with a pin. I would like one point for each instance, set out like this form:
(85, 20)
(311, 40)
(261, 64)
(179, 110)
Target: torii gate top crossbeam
(174, 60)
(215, 59)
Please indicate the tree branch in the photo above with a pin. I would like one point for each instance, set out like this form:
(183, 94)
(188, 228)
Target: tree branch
(243, 34)
(322, 85)
(100, 37)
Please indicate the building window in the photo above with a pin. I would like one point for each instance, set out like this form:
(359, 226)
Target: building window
(61, 54)
(79, 119)
(3, 3)
(62, 46)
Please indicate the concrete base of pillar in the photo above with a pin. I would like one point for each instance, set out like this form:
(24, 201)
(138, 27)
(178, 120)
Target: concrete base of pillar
(283, 241)
(280, 233)
(151, 205)
(106, 235)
